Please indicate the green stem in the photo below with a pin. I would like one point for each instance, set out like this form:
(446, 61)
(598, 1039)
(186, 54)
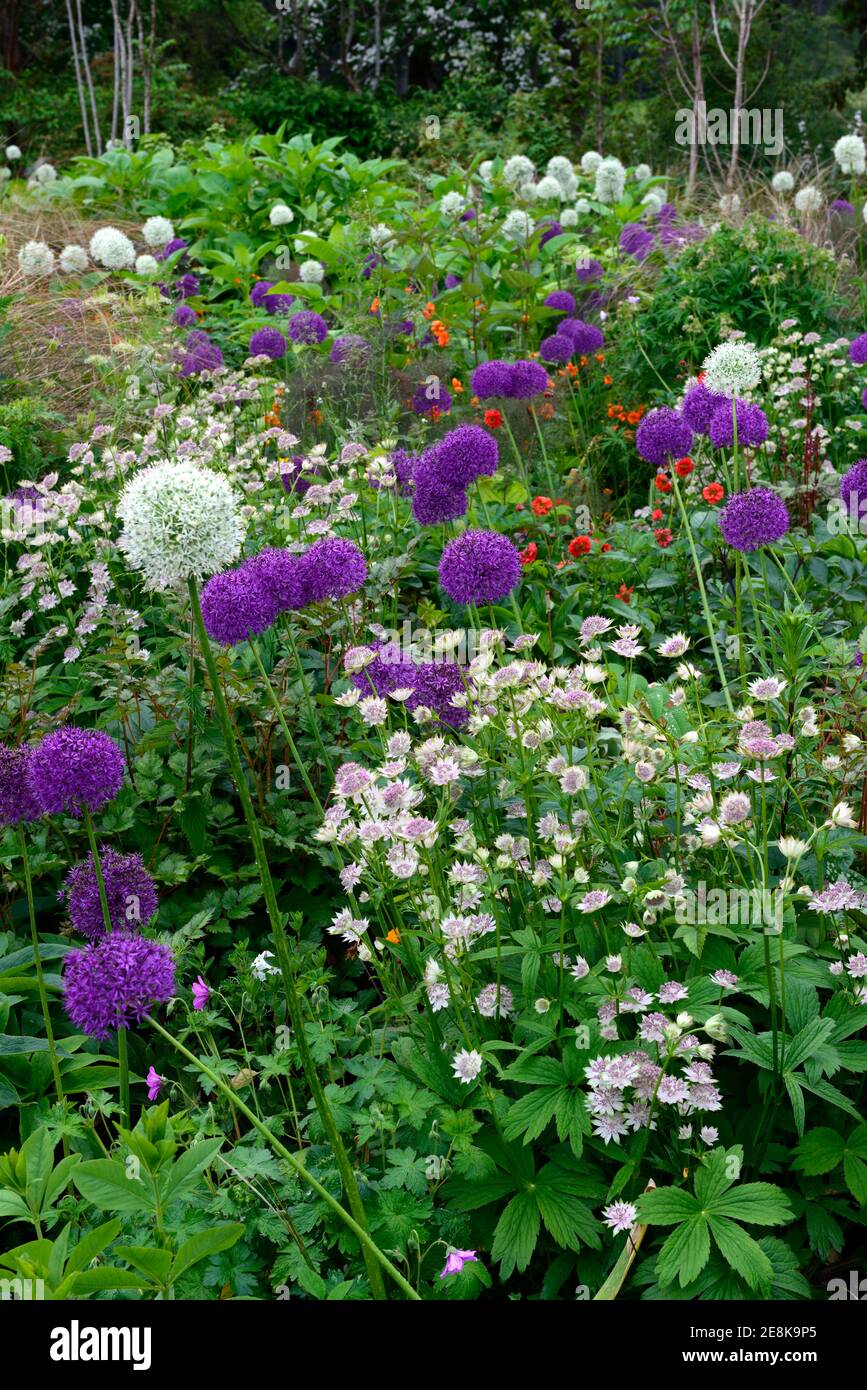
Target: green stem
(703, 592)
(122, 1057)
(40, 978)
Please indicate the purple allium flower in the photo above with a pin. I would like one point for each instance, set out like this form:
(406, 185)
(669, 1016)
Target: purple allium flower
(588, 271)
(403, 463)
(491, 379)
(561, 300)
(858, 350)
(753, 519)
(351, 348)
(662, 436)
(74, 768)
(237, 605)
(186, 286)
(479, 567)
(129, 891)
(452, 281)
(699, 406)
(154, 1083)
(552, 229)
(433, 683)
(455, 1261)
(267, 342)
(201, 355)
(556, 348)
(853, 488)
(864, 399)
(183, 316)
(586, 338)
(201, 994)
(17, 802)
(333, 568)
(282, 577)
(176, 244)
(752, 425)
(271, 303)
(432, 396)
(116, 981)
(307, 327)
(636, 240)
(469, 216)
(435, 498)
(464, 454)
(842, 207)
(371, 263)
(527, 379)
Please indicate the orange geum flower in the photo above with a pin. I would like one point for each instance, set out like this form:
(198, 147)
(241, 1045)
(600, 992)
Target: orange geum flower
(429, 310)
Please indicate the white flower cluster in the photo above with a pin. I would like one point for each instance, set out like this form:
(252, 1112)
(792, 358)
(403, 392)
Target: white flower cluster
(112, 249)
(517, 170)
(157, 231)
(783, 182)
(850, 153)
(280, 215)
(561, 169)
(610, 180)
(590, 162)
(809, 200)
(732, 369)
(73, 260)
(311, 272)
(451, 204)
(35, 258)
(146, 265)
(179, 521)
(518, 226)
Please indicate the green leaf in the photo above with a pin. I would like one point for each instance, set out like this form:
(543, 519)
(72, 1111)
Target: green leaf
(153, 1263)
(761, 1203)
(204, 1244)
(685, 1252)
(740, 1250)
(819, 1151)
(110, 1188)
(855, 1173)
(516, 1234)
(666, 1206)
(532, 1114)
(183, 1176)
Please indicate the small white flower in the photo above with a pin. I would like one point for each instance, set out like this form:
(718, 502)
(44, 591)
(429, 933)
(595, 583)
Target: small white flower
(850, 153)
(732, 369)
(261, 967)
(43, 175)
(381, 236)
(518, 226)
(675, 645)
(642, 172)
(12, 153)
(791, 848)
(518, 170)
(610, 181)
(783, 182)
(157, 231)
(451, 204)
(280, 215)
(590, 162)
(467, 1065)
(842, 816)
(767, 688)
(568, 217)
(730, 204)
(311, 272)
(653, 201)
(547, 189)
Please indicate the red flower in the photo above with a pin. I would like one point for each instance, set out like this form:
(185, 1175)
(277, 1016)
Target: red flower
(663, 537)
(714, 492)
(493, 419)
(530, 554)
(661, 483)
(604, 546)
(581, 545)
(656, 514)
(624, 594)
(541, 506)
(684, 467)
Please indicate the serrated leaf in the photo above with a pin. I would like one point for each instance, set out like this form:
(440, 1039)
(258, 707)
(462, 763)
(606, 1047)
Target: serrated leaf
(740, 1250)
(819, 1151)
(685, 1252)
(516, 1234)
(666, 1206)
(761, 1203)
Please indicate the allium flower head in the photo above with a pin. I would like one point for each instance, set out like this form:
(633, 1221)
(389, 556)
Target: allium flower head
(753, 519)
(17, 802)
(282, 576)
(492, 379)
(158, 232)
(586, 337)
(556, 348)
(280, 215)
(350, 348)
(236, 605)
(74, 768)
(549, 188)
(858, 350)
(129, 890)
(590, 162)
(479, 567)
(850, 153)
(561, 300)
(260, 298)
(436, 498)
(180, 521)
(115, 982)
(783, 182)
(268, 342)
(112, 249)
(699, 406)
(732, 369)
(12, 153)
(518, 226)
(752, 423)
(307, 327)
(853, 488)
(73, 260)
(432, 395)
(610, 181)
(662, 436)
(464, 454)
(201, 354)
(146, 265)
(517, 170)
(333, 569)
(36, 258)
(526, 379)
(809, 200)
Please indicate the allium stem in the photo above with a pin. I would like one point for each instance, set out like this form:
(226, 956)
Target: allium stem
(40, 978)
(371, 1250)
(122, 1054)
(293, 1003)
(703, 592)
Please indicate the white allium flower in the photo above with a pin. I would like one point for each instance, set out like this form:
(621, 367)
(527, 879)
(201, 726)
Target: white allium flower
(610, 181)
(642, 172)
(381, 236)
(486, 170)
(653, 201)
(809, 199)
(12, 152)
(451, 204)
(561, 169)
(73, 260)
(518, 170)
(582, 207)
(467, 1065)
(518, 225)
(35, 258)
(568, 218)
(732, 369)
(44, 174)
(179, 520)
(311, 272)
(280, 215)
(157, 231)
(112, 249)
(590, 162)
(783, 182)
(850, 153)
(547, 188)
(146, 265)
(730, 204)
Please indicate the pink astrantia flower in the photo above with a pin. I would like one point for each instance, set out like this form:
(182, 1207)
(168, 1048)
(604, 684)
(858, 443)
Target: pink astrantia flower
(620, 1216)
(201, 994)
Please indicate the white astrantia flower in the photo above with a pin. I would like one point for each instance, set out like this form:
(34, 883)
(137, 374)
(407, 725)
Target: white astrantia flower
(12, 152)
(783, 182)
(653, 201)
(311, 272)
(767, 688)
(156, 231)
(467, 1065)
(112, 249)
(642, 172)
(73, 260)
(792, 848)
(179, 521)
(730, 204)
(610, 181)
(732, 369)
(35, 258)
(809, 200)
(548, 188)
(451, 204)
(590, 162)
(146, 265)
(850, 153)
(518, 225)
(518, 170)
(280, 215)
(568, 218)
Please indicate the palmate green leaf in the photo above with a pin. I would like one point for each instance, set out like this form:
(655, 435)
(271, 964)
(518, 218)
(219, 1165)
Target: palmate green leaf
(685, 1252)
(796, 1096)
(740, 1250)
(819, 1151)
(760, 1203)
(805, 1043)
(530, 1115)
(855, 1173)
(469, 1194)
(516, 1234)
(666, 1206)
(715, 1175)
(823, 1230)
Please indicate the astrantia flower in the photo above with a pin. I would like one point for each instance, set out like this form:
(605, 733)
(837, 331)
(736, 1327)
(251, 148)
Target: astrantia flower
(179, 521)
(674, 646)
(809, 200)
(158, 232)
(467, 1065)
(752, 423)
(610, 181)
(662, 436)
(307, 327)
(464, 454)
(783, 182)
(753, 519)
(333, 569)
(116, 981)
(280, 215)
(479, 567)
(620, 1216)
(35, 258)
(732, 369)
(236, 605)
(73, 260)
(112, 249)
(17, 802)
(494, 1003)
(267, 342)
(850, 153)
(74, 768)
(129, 890)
